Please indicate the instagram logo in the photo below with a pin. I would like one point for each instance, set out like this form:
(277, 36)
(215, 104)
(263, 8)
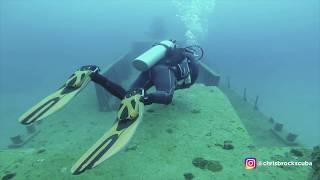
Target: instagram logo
(250, 163)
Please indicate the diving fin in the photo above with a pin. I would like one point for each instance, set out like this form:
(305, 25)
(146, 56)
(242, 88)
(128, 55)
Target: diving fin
(58, 99)
(129, 116)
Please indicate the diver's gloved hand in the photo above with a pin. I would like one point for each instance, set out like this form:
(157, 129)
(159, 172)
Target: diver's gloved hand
(92, 68)
(145, 100)
(144, 97)
(136, 91)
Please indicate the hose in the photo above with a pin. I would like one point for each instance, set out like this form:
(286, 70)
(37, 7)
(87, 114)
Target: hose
(193, 49)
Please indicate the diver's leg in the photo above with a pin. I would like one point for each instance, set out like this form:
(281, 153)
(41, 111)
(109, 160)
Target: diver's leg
(164, 80)
(108, 85)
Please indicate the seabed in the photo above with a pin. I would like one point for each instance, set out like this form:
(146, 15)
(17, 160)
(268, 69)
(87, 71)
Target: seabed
(198, 136)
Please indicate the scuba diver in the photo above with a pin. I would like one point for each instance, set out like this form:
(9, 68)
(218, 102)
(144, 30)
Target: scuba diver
(164, 66)
(178, 69)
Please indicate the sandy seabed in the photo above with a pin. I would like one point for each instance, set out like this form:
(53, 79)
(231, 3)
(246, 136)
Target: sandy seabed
(198, 136)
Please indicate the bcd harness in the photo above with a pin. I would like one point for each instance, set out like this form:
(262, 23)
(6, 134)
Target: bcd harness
(183, 73)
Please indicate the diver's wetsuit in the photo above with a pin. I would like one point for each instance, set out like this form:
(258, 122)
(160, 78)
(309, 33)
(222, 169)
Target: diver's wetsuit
(164, 75)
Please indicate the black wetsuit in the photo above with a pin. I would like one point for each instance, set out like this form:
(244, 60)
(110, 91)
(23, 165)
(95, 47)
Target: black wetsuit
(164, 75)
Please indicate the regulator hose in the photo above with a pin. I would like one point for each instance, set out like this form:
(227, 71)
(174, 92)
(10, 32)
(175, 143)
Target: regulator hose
(195, 50)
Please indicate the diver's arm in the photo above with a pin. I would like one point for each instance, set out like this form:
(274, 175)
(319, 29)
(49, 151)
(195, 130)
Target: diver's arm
(159, 97)
(194, 67)
(194, 71)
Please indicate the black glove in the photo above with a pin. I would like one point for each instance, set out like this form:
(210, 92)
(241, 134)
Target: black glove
(133, 92)
(145, 100)
(92, 68)
(144, 97)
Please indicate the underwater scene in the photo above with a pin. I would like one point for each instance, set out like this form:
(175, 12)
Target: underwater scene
(160, 89)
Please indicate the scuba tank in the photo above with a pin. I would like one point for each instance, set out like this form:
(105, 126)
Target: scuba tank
(158, 51)
(153, 55)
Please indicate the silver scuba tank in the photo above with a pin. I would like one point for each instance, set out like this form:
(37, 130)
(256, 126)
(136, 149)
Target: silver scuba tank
(153, 55)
